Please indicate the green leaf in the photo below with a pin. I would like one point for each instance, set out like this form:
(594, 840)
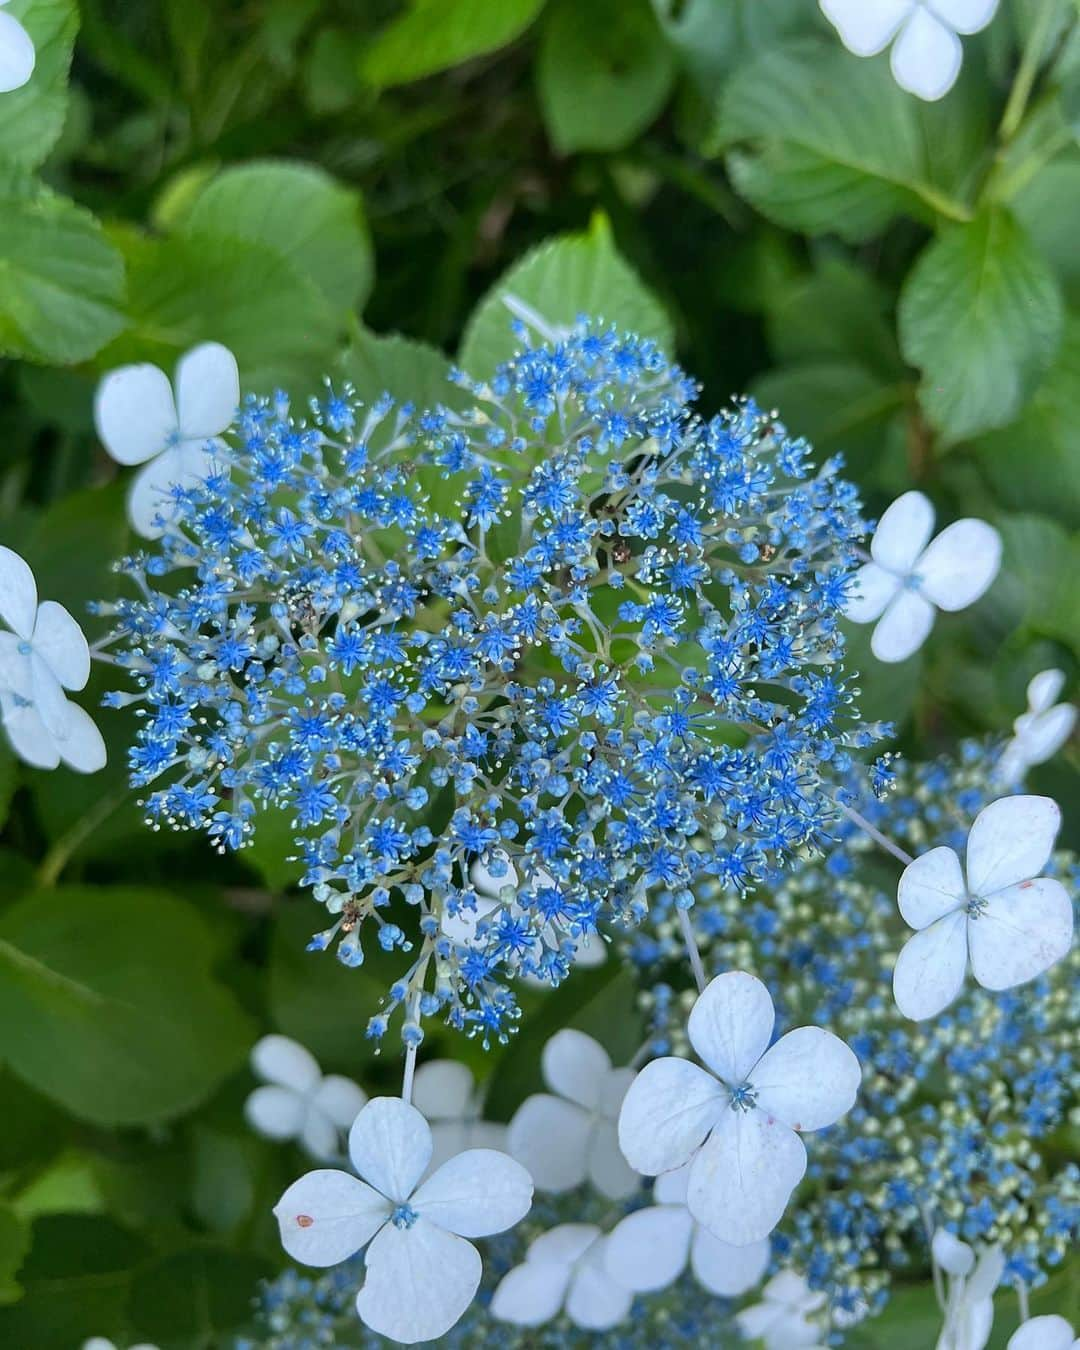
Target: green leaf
(574, 274)
(828, 144)
(713, 36)
(33, 116)
(195, 1299)
(1034, 463)
(1048, 209)
(981, 317)
(107, 1004)
(603, 72)
(837, 312)
(194, 289)
(223, 1190)
(433, 35)
(408, 370)
(61, 281)
(1041, 562)
(299, 210)
(887, 691)
(14, 1244)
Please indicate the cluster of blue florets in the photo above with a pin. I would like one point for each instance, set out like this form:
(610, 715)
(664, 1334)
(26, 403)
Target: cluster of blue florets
(575, 633)
(959, 1120)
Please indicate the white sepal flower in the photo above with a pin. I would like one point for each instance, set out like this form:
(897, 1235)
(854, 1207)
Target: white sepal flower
(780, 1319)
(1049, 1332)
(100, 1342)
(44, 654)
(139, 420)
(737, 1120)
(570, 1134)
(1039, 733)
(445, 1093)
(926, 52)
(564, 1268)
(421, 1273)
(17, 55)
(650, 1249)
(911, 577)
(298, 1102)
(1010, 922)
(969, 1308)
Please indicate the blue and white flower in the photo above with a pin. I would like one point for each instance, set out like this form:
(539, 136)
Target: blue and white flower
(565, 1269)
(298, 1101)
(969, 1308)
(781, 1321)
(445, 1094)
(1041, 731)
(1048, 1332)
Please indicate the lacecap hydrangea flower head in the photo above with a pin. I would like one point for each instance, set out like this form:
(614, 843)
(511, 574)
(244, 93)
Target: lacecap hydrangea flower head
(575, 633)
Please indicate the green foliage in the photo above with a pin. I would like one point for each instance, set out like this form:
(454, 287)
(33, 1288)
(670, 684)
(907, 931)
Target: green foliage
(433, 35)
(33, 116)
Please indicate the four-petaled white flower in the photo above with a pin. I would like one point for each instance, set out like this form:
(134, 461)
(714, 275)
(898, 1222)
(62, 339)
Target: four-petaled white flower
(17, 55)
(969, 1308)
(298, 1102)
(1039, 733)
(100, 1342)
(738, 1119)
(1049, 1332)
(567, 1268)
(44, 654)
(910, 577)
(139, 420)
(926, 54)
(444, 1092)
(780, 1319)
(1011, 922)
(565, 1138)
(649, 1249)
(421, 1273)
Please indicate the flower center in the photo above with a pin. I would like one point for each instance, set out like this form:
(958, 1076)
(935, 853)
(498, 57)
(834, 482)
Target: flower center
(975, 906)
(404, 1216)
(913, 582)
(744, 1097)
(25, 648)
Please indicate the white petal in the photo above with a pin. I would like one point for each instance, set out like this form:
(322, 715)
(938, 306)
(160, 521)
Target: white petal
(1044, 736)
(207, 391)
(731, 1024)
(960, 564)
(390, 1146)
(18, 593)
(903, 628)
(1022, 932)
(339, 1099)
(475, 1194)
(930, 969)
(575, 1066)
(931, 887)
(419, 1281)
(530, 1294)
(866, 26)
(17, 56)
(276, 1112)
(987, 1275)
(870, 591)
(95, 1342)
(1010, 841)
(590, 951)
(743, 1177)
(964, 16)
(16, 667)
(150, 499)
(278, 1059)
(609, 1171)
(808, 1079)
(1044, 689)
(550, 1137)
(926, 57)
(486, 883)
(486, 1134)
(327, 1216)
(595, 1301)
(320, 1138)
(902, 533)
(60, 642)
(83, 748)
(952, 1255)
(28, 734)
(563, 1244)
(670, 1108)
(450, 1137)
(789, 1289)
(442, 1089)
(726, 1270)
(648, 1250)
(48, 694)
(670, 1187)
(135, 414)
(460, 928)
(1049, 1332)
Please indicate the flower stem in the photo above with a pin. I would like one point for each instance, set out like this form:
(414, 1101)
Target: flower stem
(1025, 76)
(692, 952)
(876, 835)
(410, 1072)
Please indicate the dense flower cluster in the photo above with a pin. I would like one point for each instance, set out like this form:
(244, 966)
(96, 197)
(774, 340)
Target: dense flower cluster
(574, 634)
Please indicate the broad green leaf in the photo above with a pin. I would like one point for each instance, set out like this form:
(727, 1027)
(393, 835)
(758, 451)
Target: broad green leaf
(572, 275)
(196, 1298)
(1048, 208)
(837, 312)
(981, 317)
(299, 210)
(827, 144)
(887, 692)
(14, 1244)
(1034, 463)
(433, 35)
(61, 281)
(331, 79)
(1040, 564)
(194, 289)
(408, 370)
(223, 1188)
(108, 1005)
(713, 36)
(31, 118)
(272, 846)
(603, 71)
